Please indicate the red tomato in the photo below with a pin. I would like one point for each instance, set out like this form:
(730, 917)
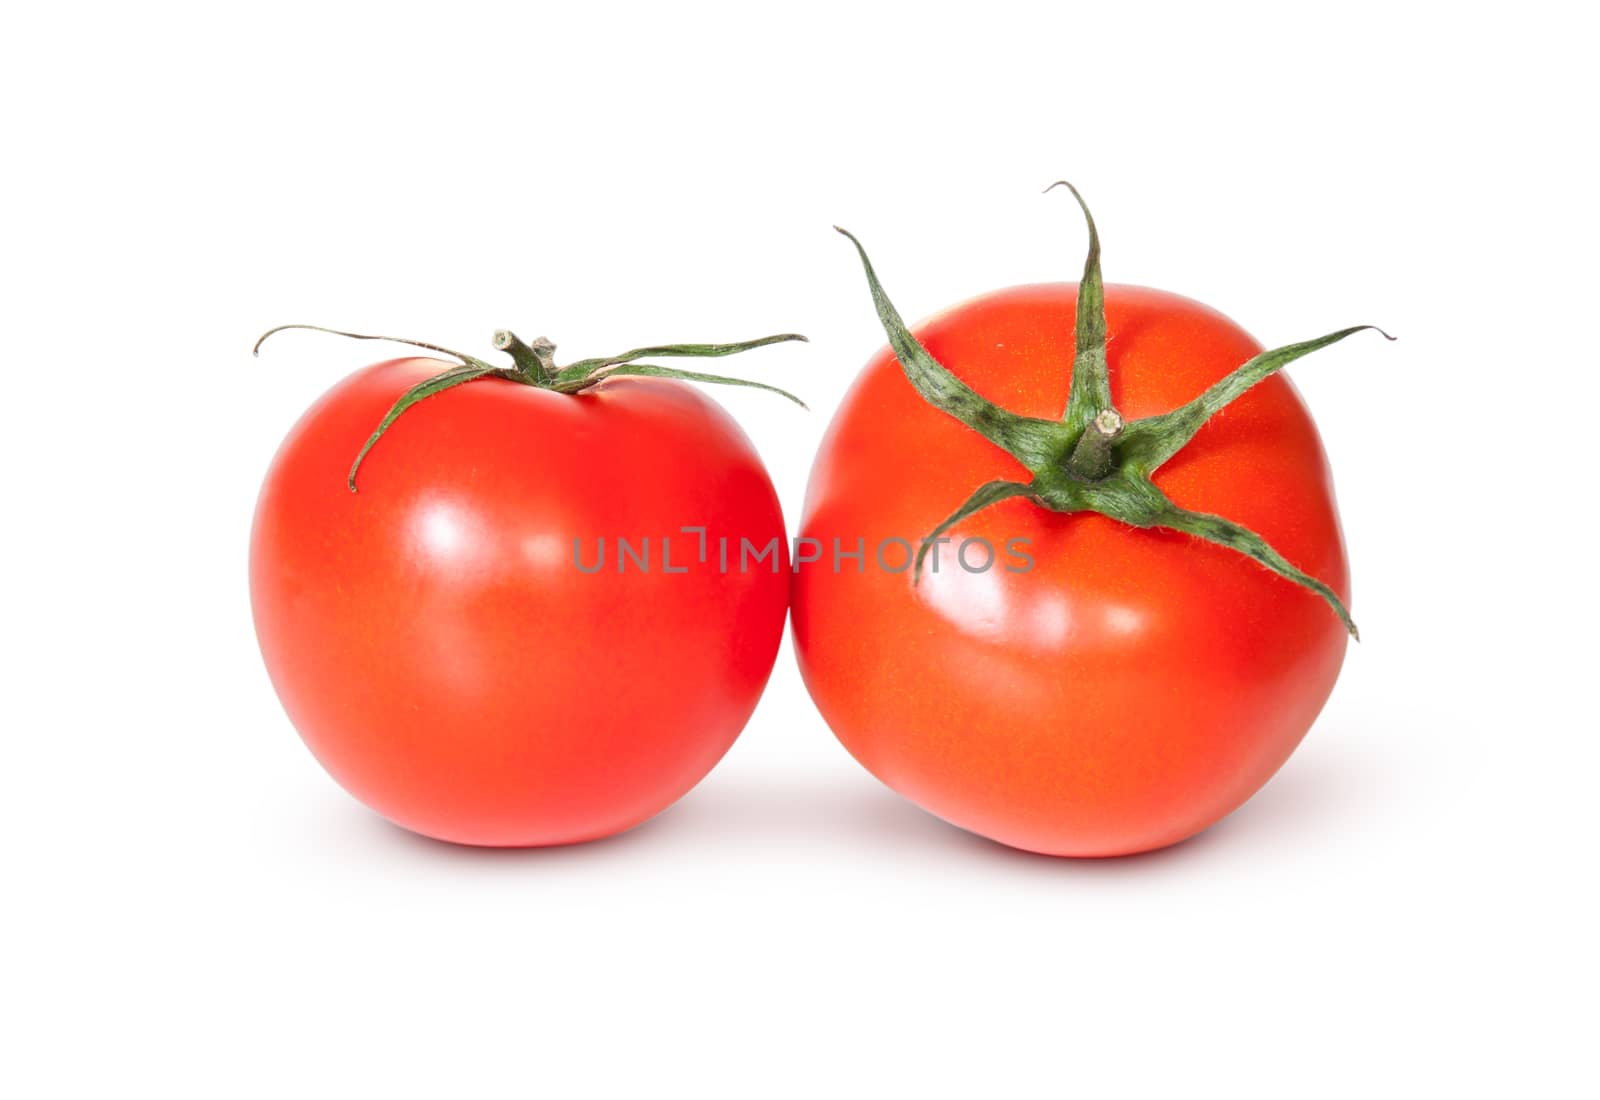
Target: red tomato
(1133, 686)
(439, 650)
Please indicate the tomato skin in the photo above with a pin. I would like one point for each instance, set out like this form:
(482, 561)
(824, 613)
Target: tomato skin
(1133, 687)
(436, 646)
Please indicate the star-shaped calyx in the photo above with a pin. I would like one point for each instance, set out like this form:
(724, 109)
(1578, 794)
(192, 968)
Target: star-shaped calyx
(1091, 459)
(534, 365)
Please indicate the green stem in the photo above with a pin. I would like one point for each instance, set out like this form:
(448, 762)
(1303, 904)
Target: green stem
(535, 362)
(1092, 456)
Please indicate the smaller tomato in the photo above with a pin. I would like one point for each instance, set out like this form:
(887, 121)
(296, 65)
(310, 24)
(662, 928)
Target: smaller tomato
(443, 641)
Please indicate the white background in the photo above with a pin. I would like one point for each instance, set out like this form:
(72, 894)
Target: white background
(195, 909)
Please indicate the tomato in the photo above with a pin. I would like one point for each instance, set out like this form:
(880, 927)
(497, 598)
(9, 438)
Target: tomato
(434, 640)
(1105, 689)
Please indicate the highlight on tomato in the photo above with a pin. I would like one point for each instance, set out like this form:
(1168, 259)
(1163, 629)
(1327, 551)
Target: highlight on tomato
(1129, 596)
(517, 632)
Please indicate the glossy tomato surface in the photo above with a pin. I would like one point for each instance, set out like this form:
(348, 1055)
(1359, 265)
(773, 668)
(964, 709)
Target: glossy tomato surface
(1132, 687)
(437, 646)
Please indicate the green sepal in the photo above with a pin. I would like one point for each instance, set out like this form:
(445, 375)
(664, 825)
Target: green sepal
(1030, 441)
(992, 492)
(422, 390)
(1225, 532)
(1150, 442)
(585, 367)
(466, 360)
(650, 370)
(1090, 391)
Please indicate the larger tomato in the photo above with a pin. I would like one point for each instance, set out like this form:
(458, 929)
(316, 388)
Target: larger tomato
(1133, 685)
(434, 640)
